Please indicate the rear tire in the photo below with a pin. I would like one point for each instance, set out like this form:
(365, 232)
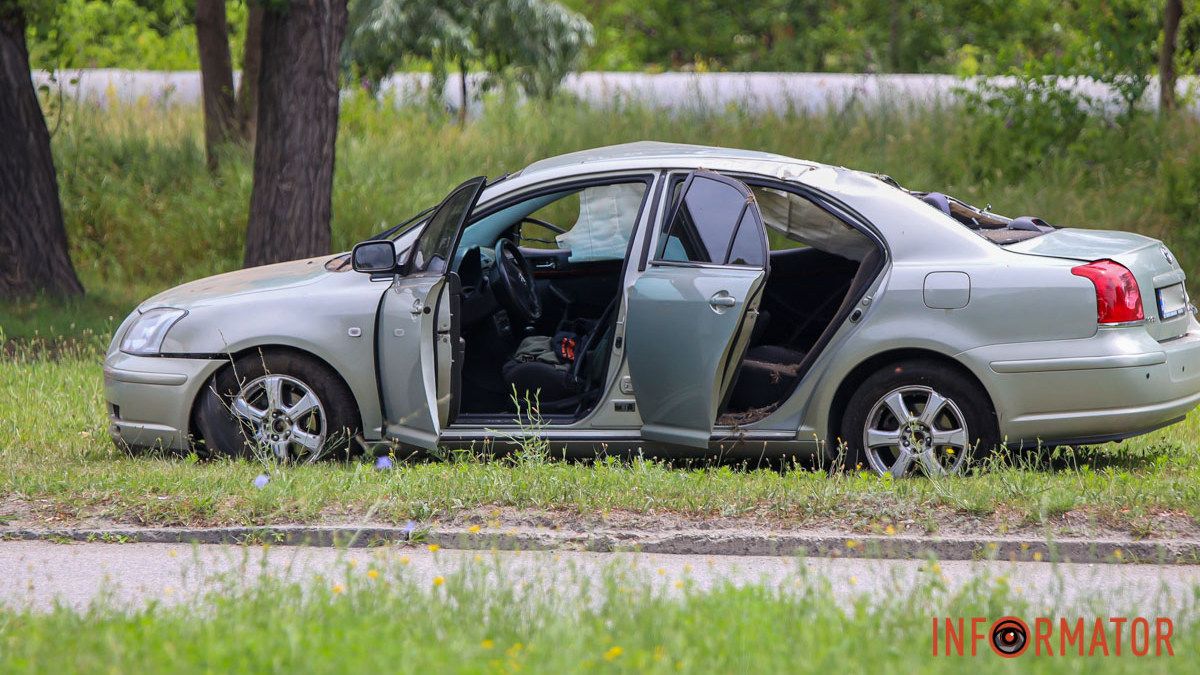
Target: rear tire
(890, 427)
(278, 403)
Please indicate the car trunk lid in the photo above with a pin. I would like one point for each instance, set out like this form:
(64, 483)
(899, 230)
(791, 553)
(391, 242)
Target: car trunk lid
(1160, 278)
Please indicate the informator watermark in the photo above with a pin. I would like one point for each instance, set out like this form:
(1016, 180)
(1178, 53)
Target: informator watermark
(1010, 636)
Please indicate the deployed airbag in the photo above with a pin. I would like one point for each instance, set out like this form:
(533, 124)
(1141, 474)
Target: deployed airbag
(607, 215)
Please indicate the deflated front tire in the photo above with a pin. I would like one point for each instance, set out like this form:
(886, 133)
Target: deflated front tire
(280, 404)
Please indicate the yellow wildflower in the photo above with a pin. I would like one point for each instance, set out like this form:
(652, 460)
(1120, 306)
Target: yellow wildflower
(474, 529)
(890, 529)
(852, 543)
(404, 560)
(338, 589)
(487, 644)
(613, 653)
(433, 548)
(439, 580)
(372, 574)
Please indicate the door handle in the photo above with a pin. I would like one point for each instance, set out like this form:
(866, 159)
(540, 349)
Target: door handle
(722, 300)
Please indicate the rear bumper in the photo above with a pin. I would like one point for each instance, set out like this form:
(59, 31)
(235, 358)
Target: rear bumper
(149, 399)
(1116, 384)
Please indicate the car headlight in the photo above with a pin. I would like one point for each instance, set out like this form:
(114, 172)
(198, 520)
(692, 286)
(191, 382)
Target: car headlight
(146, 335)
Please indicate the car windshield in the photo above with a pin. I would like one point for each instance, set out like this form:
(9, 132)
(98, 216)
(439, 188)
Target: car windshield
(397, 232)
(432, 250)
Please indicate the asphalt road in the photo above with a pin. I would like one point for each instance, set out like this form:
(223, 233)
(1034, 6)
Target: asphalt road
(40, 574)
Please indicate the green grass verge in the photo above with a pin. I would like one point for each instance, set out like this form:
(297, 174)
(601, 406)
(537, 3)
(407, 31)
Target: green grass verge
(383, 618)
(60, 466)
(143, 214)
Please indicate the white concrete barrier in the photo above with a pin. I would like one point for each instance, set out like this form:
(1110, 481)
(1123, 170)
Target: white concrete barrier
(779, 92)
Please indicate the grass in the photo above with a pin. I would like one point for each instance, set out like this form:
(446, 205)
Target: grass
(60, 466)
(143, 214)
(385, 617)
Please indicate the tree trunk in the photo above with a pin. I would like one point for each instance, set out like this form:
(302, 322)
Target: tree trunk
(1166, 57)
(462, 92)
(33, 242)
(894, 37)
(290, 203)
(216, 76)
(247, 98)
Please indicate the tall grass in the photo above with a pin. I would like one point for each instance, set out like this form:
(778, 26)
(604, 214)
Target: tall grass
(143, 213)
(60, 466)
(383, 617)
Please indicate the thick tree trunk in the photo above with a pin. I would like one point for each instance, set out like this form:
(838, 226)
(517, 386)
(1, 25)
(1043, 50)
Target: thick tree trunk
(1166, 56)
(247, 98)
(216, 76)
(33, 242)
(297, 129)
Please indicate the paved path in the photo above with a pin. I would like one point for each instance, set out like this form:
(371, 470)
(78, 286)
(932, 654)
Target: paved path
(42, 573)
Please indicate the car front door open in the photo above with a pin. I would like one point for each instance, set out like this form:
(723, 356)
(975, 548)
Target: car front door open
(419, 352)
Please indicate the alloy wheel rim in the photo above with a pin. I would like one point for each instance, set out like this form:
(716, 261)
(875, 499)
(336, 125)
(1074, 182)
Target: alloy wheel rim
(915, 426)
(283, 415)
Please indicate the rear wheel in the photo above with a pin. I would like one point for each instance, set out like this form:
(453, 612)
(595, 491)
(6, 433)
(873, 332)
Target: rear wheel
(918, 416)
(281, 404)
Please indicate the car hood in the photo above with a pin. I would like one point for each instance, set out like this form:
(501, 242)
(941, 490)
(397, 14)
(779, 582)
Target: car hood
(210, 290)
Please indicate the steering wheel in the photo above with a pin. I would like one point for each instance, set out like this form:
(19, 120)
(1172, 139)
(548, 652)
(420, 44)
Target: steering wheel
(514, 286)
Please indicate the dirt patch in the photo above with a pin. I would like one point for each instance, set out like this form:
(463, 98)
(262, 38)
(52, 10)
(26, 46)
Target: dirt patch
(1162, 526)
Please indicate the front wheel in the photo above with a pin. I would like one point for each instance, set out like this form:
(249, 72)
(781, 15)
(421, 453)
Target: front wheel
(277, 403)
(918, 415)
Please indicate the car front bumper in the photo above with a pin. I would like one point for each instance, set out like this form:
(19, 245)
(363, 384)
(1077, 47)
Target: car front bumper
(150, 399)
(1116, 384)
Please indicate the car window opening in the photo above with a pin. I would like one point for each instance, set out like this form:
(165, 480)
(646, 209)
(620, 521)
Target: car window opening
(574, 243)
(995, 228)
(819, 267)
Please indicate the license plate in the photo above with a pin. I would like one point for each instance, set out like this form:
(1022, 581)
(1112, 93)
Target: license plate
(1172, 301)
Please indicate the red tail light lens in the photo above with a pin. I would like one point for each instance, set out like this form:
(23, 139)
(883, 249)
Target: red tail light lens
(1118, 299)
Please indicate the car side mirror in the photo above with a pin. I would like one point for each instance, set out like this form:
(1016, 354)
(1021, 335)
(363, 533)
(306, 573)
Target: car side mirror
(374, 257)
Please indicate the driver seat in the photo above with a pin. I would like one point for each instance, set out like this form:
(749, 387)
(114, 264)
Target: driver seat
(565, 390)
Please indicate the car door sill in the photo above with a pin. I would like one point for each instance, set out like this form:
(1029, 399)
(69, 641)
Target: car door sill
(721, 434)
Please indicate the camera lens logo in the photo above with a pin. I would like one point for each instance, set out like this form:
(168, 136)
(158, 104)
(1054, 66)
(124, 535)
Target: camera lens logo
(1010, 637)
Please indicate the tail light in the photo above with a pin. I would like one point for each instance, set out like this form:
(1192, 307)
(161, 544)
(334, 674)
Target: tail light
(1118, 299)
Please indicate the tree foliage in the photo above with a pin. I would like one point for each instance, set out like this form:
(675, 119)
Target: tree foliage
(532, 43)
(138, 34)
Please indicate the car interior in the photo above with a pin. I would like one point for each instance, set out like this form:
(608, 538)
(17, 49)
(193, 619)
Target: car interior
(547, 344)
(819, 268)
(544, 344)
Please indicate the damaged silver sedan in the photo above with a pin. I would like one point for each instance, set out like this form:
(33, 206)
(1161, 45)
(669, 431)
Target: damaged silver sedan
(698, 300)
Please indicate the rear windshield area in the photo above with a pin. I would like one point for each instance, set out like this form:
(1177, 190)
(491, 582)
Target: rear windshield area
(995, 228)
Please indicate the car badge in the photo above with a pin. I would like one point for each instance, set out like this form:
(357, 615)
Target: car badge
(1167, 254)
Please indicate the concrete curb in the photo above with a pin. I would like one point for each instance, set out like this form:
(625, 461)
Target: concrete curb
(693, 542)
